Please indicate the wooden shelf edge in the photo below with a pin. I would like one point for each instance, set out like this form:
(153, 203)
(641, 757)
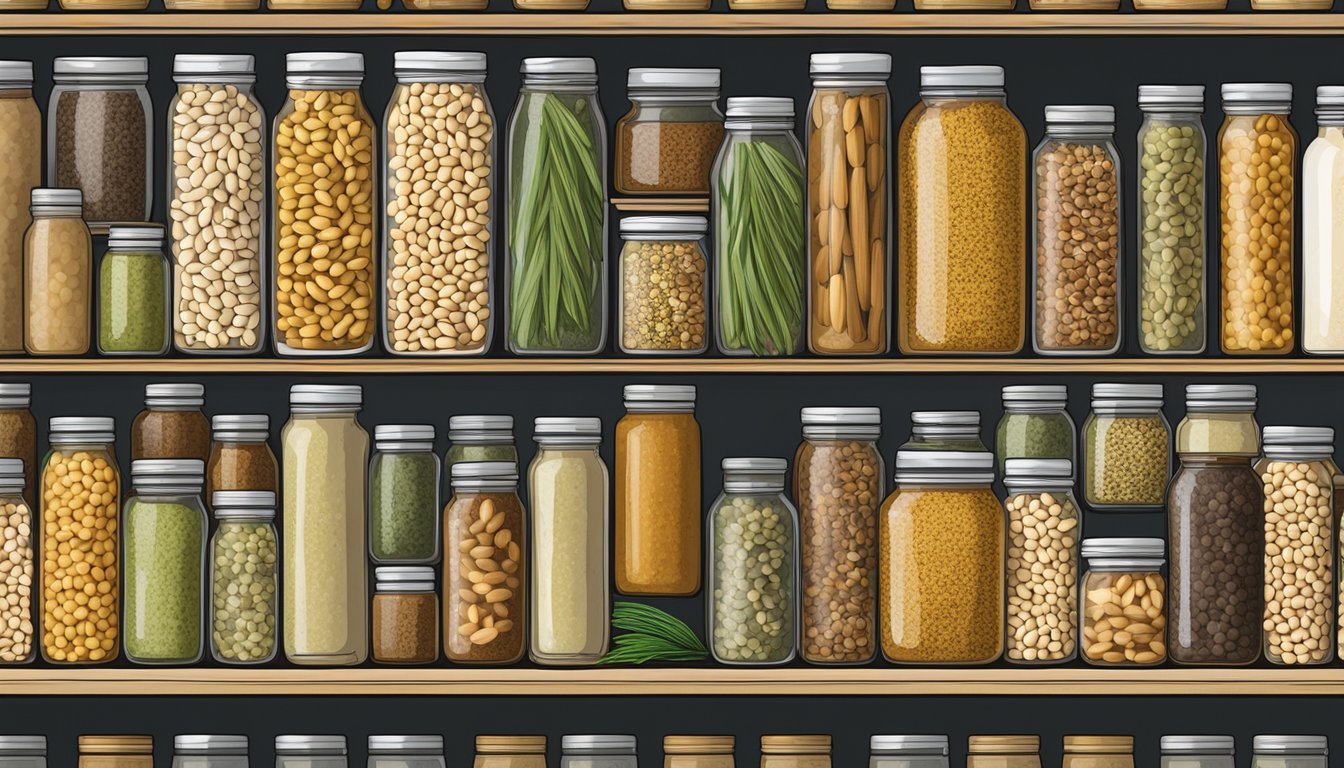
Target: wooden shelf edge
(661, 204)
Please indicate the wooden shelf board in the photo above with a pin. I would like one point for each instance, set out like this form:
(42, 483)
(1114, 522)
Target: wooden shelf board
(661, 204)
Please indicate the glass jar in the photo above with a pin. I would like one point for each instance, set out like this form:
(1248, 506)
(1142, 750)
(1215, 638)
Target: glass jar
(1098, 752)
(1198, 752)
(241, 459)
(21, 156)
(18, 434)
(944, 431)
(664, 285)
(1322, 246)
(172, 425)
(1216, 530)
(485, 501)
(209, 751)
(567, 493)
(341, 257)
(658, 507)
(666, 143)
(943, 542)
(57, 275)
(1172, 219)
(1035, 424)
(848, 210)
(688, 752)
(510, 752)
(23, 751)
(294, 751)
(751, 614)
(1076, 237)
(480, 438)
(962, 222)
(326, 453)
(17, 524)
(434, 245)
(1003, 752)
(404, 495)
(244, 561)
(116, 752)
(218, 280)
(405, 616)
(1257, 148)
(99, 138)
(1297, 473)
(604, 751)
(1290, 752)
(557, 140)
(1126, 448)
(406, 751)
(795, 751)
(1044, 530)
(133, 292)
(81, 456)
(759, 245)
(907, 752)
(837, 474)
(1124, 573)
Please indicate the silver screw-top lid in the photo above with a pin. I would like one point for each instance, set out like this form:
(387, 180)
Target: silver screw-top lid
(55, 201)
(876, 65)
(410, 64)
(169, 395)
(567, 429)
(231, 505)
(1100, 115)
(241, 427)
(1035, 393)
(1124, 547)
(1178, 97)
(324, 62)
(764, 107)
(130, 67)
(944, 467)
(208, 67)
(578, 70)
(326, 396)
(494, 472)
(1258, 93)
(659, 397)
(860, 423)
(945, 418)
(423, 744)
(1127, 391)
(81, 429)
(1290, 745)
(1297, 443)
(753, 474)
(123, 237)
(218, 743)
(151, 474)
(16, 74)
(1220, 397)
(647, 79)
(940, 78)
(23, 745)
(16, 394)
(480, 429)
(1023, 470)
(404, 578)
(664, 227)
(919, 744)
(1199, 745)
(295, 744)
(598, 743)
(390, 435)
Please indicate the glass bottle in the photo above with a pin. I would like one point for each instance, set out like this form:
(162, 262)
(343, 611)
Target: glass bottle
(510, 752)
(1044, 531)
(1290, 752)
(23, 751)
(570, 502)
(887, 751)
(439, 225)
(796, 751)
(1128, 573)
(244, 565)
(1003, 752)
(133, 292)
(241, 459)
(18, 434)
(17, 525)
(1035, 424)
(116, 752)
(1198, 752)
(405, 615)
(666, 143)
(557, 139)
(1126, 446)
(759, 241)
(21, 156)
(962, 217)
(1172, 220)
(658, 509)
(696, 752)
(302, 751)
(1257, 149)
(57, 275)
(598, 751)
(309, 319)
(326, 453)
(664, 274)
(406, 751)
(480, 438)
(209, 751)
(1322, 245)
(1098, 752)
(837, 474)
(944, 431)
(172, 425)
(404, 495)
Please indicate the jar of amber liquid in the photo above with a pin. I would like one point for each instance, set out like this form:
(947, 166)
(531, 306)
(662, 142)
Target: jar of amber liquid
(1003, 752)
(240, 457)
(1098, 752)
(698, 752)
(116, 752)
(510, 752)
(795, 752)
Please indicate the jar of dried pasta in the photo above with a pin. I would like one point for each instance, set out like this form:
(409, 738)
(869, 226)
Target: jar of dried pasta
(1126, 448)
(666, 143)
(943, 541)
(1124, 613)
(1098, 752)
(1003, 752)
(484, 614)
(962, 217)
(664, 285)
(796, 751)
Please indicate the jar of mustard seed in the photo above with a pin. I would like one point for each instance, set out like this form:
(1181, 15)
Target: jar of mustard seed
(418, 751)
(796, 751)
(241, 459)
(1198, 752)
(18, 434)
(209, 751)
(405, 615)
(244, 577)
(1098, 752)
(918, 751)
(698, 752)
(172, 426)
(304, 751)
(666, 143)
(133, 292)
(23, 751)
(1035, 424)
(1290, 752)
(1125, 575)
(57, 275)
(479, 438)
(484, 616)
(1003, 752)
(510, 752)
(664, 276)
(944, 431)
(1126, 447)
(116, 752)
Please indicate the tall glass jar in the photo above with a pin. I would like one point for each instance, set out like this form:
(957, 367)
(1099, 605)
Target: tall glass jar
(484, 617)
(1098, 752)
(116, 752)
(1044, 531)
(209, 751)
(438, 234)
(326, 453)
(1003, 752)
(218, 280)
(241, 459)
(759, 242)
(172, 425)
(751, 613)
(21, 157)
(510, 752)
(962, 227)
(99, 136)
(18, 434)
(57, 275)
(244, 566)
(664, 274)
(1290, 752)
(325, 254)
(1124, 574)
(837, 475)
(81, 493)
(848, 204)
(1126, 448)
(1257, 149)
(406, 751)
(1198, 752)
(570, 502)
(1216, 530)
(890, 751)
(17, 525)
(405, 615)
(404, 495)
(943, 542)
(658, 509)
(301, 751)
(23, 751)
(557, 140)
(1035, 424)
(666, 143)
(796, 751)
(133, 292)
(944, 431)
(1076, 233)
(1322, 243)
(598, 751)
(1172, 219)
(480, 438)
(689, 752)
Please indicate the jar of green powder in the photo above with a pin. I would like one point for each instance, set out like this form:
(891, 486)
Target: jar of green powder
(944, 431)
(480, 438)
(404, 495)
(1035, 424)
(132, 292)
(164, 540)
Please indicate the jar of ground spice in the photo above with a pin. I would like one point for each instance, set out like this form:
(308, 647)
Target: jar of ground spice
(404, 495)
(172, 425)
(18, 434)
(666, 143)
(57, 275)
(698, 752)
(116, 752)
(480, 438)
(664, 276)
(244, 569)
(241, 459)
(133, 292)
(1126, 447)
(419, 751)
(907, 751)
(99, 135)
(405, 615)
(944, 431)
(484, 568)
(796, 751)
(1098, 752)
(21, 159)
(510, 752)
(1035, 424)
(1004, 752)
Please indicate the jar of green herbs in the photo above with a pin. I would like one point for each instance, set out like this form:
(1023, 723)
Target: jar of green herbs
(404, 495)
(480, 438)
(132, 292)
(1035, 424)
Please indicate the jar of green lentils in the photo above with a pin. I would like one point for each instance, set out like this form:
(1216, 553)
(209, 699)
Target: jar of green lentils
(944, 431)
(1035, 424)
(480, 438)
(244, 565)
(404, 495)
(1126, 448)
(133, 292)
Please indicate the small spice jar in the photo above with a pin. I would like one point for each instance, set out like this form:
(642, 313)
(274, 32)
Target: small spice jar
(21, 157)
(796, 751)
(133, 292)
(108, 159)
(18, 434)
(1003, 752)
(480, 438)
(1044, 531)
(209, 751)
(598, 751)
(1126, 448)
(172, 425)
(1290, 752)
(404, 495)
(17, 571)
(1198, 752)
(244, 570)
(419, 751)
(664, 285)
(484, 616)
(57, 309)
(23, 751)
(303, 751)
(510, 752)
(116, 752)
(1035, 424)
(1098, 752)
(666, 143)
(1124, 575)
(752, 556)
(944, 431)
(405, 615)
(241, 459)
(923, 751)
(696, 752)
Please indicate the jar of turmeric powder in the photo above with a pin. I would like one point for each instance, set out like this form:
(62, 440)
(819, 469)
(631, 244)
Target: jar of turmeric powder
(658, 492)
(961, 158)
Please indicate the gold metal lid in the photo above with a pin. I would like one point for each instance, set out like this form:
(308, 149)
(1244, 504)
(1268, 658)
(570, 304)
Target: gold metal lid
(116, 745)
(511, 745)
(1003, 745)
(1099, 744)
(796, 745)
(698, 745)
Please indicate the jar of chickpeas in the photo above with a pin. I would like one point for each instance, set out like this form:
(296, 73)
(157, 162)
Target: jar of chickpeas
(1124, 600)
(664, 285)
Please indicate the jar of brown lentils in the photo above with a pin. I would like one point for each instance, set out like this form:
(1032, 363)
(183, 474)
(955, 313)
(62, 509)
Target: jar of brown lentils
(667, 142)
(663, 285)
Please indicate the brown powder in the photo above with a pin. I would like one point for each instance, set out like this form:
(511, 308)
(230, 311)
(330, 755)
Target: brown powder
(242, 467)
(162, 434)
(667, 156)
(405, 628)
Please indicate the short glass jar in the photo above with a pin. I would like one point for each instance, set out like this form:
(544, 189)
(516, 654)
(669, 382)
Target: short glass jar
(510, 752)
(1098, 752)
(172, 425)
(23, 751)
(21, 156)
(302, 751)
(1003, 752)
(406, 751)
(244, 575)
(1290, 752)
(133, 292)
(209, 751)
(241, 459)
(18, 434)
(664, 285)
(404, 495)
(666, 143)
(687, 752)
(1219, 419)
(1035, 424)
(907, 751)
(116, 752)
(598, 751)
(1044, 531)
(57, 275)
(944, 431)
(405, 615)
(1124, 574)
(1198, 752)
(479, 438)
(796, 751)
(18, 525)
(1126, 448)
